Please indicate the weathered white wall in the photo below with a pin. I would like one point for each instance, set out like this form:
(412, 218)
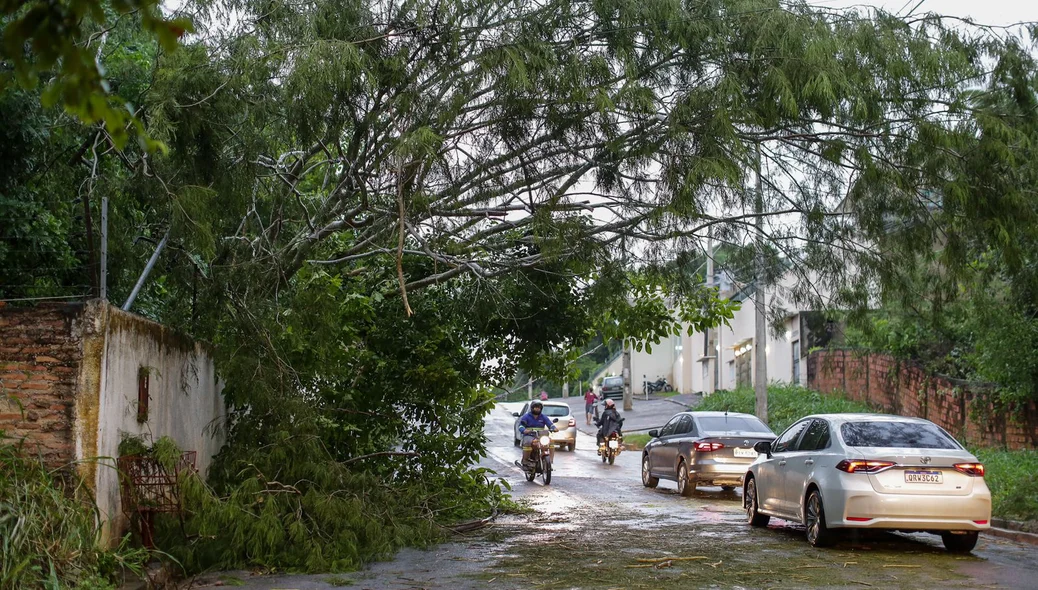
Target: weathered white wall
(185, 400)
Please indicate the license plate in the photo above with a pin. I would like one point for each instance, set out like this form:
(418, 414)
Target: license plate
(745, 453)
(613, 444)
(924, 477)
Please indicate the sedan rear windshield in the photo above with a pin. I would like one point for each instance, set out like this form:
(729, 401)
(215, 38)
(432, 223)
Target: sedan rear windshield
(902, 435)
(613, 382)
(732, 423)
(555, 411)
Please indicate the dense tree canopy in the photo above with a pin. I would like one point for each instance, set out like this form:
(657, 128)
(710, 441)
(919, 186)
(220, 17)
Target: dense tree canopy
(378, 210)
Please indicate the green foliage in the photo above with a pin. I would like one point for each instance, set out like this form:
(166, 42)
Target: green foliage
(291, 506)
(61, 41)
(1010, 476)
(49, 533)
(786, 404)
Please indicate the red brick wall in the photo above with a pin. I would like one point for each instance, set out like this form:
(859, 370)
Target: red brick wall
(40, 355)
(908, 390)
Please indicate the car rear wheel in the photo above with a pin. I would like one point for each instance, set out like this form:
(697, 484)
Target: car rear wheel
(818, 535)
(961, 542)
(647, 479)
(685, 487)
(752, 516)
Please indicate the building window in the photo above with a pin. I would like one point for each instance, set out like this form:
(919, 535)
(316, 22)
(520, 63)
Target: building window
(143, 398)
(796, 362)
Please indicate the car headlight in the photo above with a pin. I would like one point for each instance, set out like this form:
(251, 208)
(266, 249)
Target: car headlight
(545, 440)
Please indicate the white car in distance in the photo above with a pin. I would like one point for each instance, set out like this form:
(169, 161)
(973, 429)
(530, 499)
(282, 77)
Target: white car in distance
(871, 471)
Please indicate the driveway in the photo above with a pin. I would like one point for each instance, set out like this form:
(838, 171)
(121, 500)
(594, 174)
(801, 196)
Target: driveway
(596, 527)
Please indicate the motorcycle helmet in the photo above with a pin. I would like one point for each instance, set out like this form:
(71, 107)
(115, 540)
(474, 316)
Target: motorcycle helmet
(610, 403)
(536, 406)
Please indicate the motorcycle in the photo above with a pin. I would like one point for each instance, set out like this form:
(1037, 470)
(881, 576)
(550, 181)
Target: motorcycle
(540, 457)
(611, 447)
(658, 385)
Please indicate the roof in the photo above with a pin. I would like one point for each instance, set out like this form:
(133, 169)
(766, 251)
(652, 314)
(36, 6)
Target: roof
(705, 414)
(869, 417)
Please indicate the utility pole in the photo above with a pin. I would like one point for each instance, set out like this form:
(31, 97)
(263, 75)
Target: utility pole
(628, 394)
(529, 389)
(709, 281)
(565, 389)
(760, 342)
(104, 248)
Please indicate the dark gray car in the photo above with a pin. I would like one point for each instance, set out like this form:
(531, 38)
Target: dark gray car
(703, 448)
(613, 388)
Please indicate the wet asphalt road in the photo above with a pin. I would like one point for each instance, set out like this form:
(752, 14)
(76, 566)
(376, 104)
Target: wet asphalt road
(589, 501)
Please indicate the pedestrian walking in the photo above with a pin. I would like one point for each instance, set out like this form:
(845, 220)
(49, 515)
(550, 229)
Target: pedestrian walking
(589, 405)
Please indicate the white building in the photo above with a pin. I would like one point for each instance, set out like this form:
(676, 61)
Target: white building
(722, 358)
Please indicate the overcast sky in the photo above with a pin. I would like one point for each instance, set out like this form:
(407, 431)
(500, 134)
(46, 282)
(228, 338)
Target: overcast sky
(988, 12)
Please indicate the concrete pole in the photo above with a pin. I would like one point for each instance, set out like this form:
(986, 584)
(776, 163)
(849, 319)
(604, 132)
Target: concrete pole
(104, 248)
(565, 389)
(709, 388)
(628, 393)
(760, 339)
(529, 389)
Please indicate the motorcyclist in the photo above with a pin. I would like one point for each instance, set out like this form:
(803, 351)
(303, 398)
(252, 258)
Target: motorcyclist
(609, 422)
(532, 421)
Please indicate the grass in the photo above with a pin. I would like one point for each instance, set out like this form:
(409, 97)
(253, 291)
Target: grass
(636, 442)
(1010, 476)
(48, 531)
(786, 404)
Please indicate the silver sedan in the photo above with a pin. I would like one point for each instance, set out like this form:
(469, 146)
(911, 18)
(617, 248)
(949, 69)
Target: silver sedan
(873, 471)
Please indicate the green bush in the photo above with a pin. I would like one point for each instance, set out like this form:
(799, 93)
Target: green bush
(49, 533)
(786, 404)
(1010, 476)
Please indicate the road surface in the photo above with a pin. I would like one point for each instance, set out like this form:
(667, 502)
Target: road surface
(595, 526)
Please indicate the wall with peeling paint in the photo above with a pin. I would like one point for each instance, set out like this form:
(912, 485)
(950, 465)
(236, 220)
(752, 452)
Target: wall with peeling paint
(185, 402)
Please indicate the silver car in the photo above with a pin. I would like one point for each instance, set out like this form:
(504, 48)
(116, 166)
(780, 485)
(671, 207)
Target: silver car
(703, 448)
(873, 471)
(565, 437)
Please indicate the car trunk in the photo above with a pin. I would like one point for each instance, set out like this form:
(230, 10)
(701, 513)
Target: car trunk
(920, 471)
(738, 446)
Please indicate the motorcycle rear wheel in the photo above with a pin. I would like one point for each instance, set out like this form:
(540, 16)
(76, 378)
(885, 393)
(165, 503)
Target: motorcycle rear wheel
(530, 473)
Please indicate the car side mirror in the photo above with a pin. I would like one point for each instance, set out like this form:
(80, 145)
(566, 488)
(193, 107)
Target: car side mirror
(555, 420)
(654, 433)
(763, 448)
(516, 414)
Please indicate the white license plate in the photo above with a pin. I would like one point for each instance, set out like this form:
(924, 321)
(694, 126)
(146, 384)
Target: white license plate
(613, 444)
(924, 477)
(739, 452)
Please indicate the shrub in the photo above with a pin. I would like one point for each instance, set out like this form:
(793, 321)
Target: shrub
(1010, 476)
(786, 404)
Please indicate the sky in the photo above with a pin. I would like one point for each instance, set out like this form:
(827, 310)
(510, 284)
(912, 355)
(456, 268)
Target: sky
(988, 12)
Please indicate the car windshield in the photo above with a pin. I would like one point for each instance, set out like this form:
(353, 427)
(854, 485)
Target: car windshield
(555, 411)
(613, 382)
(731, 424)
(903, 435)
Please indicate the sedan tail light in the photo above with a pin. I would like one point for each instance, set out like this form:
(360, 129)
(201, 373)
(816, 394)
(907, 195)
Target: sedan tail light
(706, 447)
(572, 422)
(859, 466)
(974, 469)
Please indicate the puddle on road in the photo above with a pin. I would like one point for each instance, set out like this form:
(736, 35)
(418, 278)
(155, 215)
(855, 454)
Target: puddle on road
(648, 545)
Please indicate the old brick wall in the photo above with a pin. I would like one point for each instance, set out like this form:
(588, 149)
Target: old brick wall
(905, 389)
(40, 356)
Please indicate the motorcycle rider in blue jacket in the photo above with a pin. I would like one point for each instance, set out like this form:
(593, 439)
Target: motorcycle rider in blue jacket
(533, 420)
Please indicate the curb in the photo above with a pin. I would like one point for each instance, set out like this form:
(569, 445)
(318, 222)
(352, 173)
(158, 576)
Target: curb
(1018, 536)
